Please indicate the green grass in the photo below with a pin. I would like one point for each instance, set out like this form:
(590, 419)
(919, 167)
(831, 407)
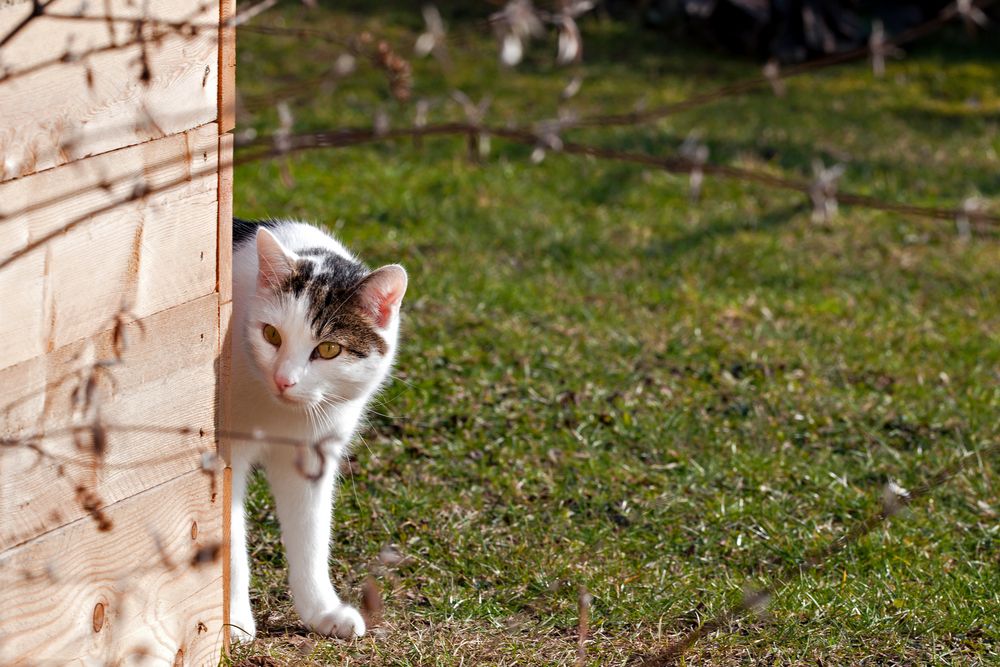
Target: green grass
(603, 384)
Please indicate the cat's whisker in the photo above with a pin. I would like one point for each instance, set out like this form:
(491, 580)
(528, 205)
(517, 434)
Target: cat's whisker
(332, 400)
(407, 386)
(370, 410)
(384, 402)
(313, 413)
(398, 378)
(365, 443)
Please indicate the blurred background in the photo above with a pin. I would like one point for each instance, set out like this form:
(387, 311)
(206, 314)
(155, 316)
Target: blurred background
(701, 360)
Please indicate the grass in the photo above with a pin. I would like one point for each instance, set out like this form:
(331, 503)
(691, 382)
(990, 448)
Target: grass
(603, 384)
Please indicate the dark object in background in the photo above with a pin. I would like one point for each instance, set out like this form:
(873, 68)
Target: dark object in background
(789, 30)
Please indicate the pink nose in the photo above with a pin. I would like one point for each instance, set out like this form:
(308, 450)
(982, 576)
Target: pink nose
(283, 383)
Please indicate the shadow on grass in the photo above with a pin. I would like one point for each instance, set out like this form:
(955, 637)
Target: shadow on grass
(797, 157)
(687, 243)
(612, 40)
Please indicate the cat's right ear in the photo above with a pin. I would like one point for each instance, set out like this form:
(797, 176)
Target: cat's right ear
(273, 261)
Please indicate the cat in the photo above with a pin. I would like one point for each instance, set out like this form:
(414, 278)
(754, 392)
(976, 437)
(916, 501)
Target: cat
(314, 335)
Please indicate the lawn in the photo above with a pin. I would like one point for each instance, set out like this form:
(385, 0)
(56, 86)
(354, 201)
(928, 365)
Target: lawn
(605, 384)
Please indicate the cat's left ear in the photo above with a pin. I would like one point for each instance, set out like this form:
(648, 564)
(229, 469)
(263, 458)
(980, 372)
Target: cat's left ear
(382, 292)
(274, 262)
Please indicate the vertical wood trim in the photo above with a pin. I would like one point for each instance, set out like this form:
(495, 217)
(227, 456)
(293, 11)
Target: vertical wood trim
(223, 373)
(224, 266)
(227, 512)
(224, 282)
(227, 66)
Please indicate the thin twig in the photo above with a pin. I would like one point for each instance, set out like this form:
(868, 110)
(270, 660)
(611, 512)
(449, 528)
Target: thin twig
(37, 9)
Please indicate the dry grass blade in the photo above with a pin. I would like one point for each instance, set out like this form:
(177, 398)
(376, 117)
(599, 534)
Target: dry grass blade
(372, 606)
(583, 603)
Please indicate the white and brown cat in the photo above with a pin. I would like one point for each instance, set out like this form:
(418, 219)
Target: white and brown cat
(314, 336)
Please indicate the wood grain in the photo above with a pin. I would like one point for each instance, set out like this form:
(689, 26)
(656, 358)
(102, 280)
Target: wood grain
(151, 254)
(80, 596)
(69, 110)
(167, 378)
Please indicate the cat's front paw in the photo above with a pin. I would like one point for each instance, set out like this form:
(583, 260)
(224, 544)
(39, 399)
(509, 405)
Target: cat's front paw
(338, 620)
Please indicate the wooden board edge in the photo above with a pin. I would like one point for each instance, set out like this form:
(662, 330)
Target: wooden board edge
(224, 246)
(227, 513)
(227, 66)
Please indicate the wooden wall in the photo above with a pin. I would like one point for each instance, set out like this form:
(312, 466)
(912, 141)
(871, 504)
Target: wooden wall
(115, 204)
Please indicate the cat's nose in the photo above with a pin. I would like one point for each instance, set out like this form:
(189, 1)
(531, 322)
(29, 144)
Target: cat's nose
(283, 382)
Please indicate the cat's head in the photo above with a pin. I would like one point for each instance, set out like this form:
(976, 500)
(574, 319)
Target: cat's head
(321, 327)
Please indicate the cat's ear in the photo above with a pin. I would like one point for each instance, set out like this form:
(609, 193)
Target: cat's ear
(382, 292)
(273, 261)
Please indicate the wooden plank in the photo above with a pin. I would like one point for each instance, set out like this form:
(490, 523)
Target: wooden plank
(25, 307)
(167, 379)
(59, 113)
(150, 253)
(78, 595)
(227, 66)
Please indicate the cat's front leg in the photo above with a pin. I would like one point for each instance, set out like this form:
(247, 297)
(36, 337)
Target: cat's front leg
(305, 511)
(241, 623)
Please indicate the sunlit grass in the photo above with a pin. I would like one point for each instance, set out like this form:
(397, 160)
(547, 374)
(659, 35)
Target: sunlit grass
(605, 384)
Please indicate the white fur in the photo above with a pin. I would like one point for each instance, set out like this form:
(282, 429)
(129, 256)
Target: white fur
(331, 396)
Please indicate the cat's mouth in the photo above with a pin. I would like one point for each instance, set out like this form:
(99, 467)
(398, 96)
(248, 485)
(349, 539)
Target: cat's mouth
(294, 401)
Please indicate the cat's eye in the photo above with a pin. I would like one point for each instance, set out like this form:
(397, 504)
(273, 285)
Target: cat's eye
(327, 350)
(271, 335)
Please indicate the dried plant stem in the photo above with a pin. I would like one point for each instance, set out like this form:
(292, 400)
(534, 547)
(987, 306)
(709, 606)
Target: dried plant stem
(583, 626)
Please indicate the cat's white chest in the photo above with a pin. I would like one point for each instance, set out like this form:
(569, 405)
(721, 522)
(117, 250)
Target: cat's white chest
(264, 430)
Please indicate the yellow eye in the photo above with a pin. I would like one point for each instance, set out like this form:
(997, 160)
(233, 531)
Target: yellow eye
(271, 335)
(327, 350)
